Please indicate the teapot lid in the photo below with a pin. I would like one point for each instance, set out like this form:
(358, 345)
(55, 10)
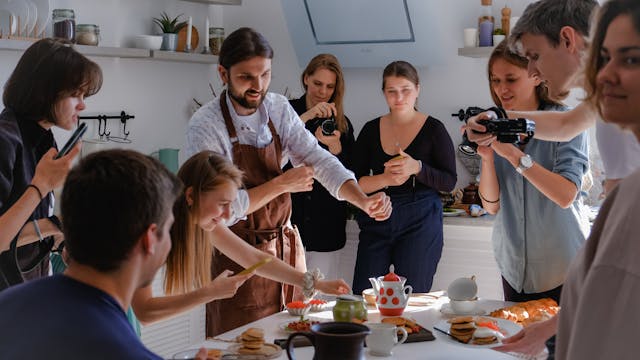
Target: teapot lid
(391, 276)
(348, 297)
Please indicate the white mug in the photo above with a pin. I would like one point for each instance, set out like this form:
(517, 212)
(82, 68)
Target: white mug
(383, 338)
(470, 37)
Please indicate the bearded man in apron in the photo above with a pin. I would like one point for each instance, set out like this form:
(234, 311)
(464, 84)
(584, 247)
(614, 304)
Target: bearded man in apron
(260, 132)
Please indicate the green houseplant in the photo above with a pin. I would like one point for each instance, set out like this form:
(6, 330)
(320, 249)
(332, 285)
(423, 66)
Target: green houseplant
(169, 27)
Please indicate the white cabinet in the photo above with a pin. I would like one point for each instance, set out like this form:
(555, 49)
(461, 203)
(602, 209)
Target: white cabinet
(167, 337)
(467, 251)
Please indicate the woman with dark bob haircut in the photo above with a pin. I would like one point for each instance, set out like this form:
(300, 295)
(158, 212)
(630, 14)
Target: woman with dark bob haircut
(47, 88)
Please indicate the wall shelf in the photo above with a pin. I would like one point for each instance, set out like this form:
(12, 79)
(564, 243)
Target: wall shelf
(217, 2)
(476, 52)
(117, 52)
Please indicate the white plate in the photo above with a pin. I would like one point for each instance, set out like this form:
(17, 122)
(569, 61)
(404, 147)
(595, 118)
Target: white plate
(44, 14)
(20, 10)
(6, 18)
(447, 310)
(283, 326)
(277, 350)
(33, 16)
(453, 212)
(191, 353)
(507, 328)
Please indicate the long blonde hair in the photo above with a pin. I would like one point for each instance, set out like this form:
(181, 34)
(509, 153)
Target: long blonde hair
(189, 261)
(330, 62)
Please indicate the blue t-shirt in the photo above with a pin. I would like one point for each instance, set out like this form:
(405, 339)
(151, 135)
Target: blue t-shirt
(60, 318)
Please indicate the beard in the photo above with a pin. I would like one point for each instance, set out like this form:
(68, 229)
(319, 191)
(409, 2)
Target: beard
(243, 101)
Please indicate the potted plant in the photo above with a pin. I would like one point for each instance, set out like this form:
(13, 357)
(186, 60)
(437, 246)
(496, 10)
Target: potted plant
(169, 27)
(498, 36)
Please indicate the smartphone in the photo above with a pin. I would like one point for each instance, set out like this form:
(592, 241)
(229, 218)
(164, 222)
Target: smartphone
(254, 266)
(77, 135)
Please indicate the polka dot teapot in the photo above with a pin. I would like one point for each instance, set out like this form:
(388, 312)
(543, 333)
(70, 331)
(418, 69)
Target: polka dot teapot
(391, 293)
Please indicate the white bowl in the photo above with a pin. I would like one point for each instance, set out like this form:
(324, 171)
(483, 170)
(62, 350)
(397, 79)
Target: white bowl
(151, 42)
(299, 311)
(463, 307)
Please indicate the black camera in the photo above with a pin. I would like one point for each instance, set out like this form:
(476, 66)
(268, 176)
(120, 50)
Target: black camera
(505, 130)
(509, 130)
(328, 126)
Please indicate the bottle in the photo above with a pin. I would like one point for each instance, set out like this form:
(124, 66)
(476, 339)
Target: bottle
(216, 37)
(64, 24)
(485, 24)
(87, 34)
(506, 18)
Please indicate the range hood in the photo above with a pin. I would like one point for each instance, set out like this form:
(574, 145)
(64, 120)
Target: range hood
(365, 33)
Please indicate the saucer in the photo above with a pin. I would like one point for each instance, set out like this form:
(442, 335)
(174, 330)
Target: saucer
(447, 310)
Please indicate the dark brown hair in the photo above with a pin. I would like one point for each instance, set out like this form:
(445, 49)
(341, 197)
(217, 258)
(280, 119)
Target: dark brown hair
(49, 70)
(609, 11)
(400, 69)
(109, 200)
(330, 62)
(502, 51)
(243, 44)
(189, 261)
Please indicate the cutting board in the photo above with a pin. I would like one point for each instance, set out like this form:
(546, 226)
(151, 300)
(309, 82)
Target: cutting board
(182, 38)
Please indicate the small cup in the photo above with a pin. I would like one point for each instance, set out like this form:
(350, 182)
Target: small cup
(463, 307)
(470, 37)
(384, 337)
(369, 296)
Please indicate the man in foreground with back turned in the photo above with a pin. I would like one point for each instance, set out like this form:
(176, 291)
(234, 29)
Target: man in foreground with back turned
(117, 212)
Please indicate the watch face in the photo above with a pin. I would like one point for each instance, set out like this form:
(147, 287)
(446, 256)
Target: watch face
(526, 161)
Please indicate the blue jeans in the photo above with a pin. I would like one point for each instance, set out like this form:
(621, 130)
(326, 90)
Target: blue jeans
(411, 240)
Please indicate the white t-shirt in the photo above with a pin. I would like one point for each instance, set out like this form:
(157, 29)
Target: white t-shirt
(619, 150)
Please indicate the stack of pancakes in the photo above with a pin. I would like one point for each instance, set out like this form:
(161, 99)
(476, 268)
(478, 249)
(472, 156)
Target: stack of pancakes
(252, 342)
(462, 328)
(252, 338)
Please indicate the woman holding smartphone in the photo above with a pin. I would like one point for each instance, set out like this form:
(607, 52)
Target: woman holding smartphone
(46, 89)
(210, 185)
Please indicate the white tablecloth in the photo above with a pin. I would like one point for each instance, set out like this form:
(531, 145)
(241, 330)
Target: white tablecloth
(427, 316)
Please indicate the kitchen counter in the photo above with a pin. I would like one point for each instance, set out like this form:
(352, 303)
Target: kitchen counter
(467, 220)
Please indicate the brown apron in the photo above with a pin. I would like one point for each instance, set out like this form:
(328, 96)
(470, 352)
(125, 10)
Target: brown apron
(266, 229)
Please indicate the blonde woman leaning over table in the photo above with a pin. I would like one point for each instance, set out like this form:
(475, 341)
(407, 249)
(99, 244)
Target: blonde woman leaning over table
(408, 155)
(602, 284)
(211, 184)
(541, 221)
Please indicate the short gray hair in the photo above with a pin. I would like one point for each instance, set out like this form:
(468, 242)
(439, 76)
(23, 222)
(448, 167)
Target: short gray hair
(547, 17)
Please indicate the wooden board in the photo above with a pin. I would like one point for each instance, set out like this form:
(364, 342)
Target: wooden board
(182, 38)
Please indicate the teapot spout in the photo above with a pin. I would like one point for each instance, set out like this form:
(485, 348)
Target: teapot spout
(375, 283)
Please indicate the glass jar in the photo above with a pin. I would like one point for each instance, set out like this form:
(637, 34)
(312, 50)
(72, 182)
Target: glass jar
(87, 34)
(216, 37)
(350, 308)
(64, 24)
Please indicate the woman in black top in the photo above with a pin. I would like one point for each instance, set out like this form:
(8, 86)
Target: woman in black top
(46, 89)
(409, 155)
(320, 218)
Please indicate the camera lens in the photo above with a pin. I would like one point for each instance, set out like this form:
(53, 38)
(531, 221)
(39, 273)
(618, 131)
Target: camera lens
(328, 126)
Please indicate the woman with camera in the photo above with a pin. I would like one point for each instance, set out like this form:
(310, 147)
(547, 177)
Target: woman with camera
(320, 218)
(408, 155)
(533, 189)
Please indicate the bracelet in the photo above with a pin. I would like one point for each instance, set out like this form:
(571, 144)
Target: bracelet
(37, 189)
(420, 169)
(309, 283)
(489, 201)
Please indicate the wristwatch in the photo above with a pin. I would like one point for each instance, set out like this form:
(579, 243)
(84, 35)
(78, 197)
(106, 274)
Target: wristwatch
(525, 164)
